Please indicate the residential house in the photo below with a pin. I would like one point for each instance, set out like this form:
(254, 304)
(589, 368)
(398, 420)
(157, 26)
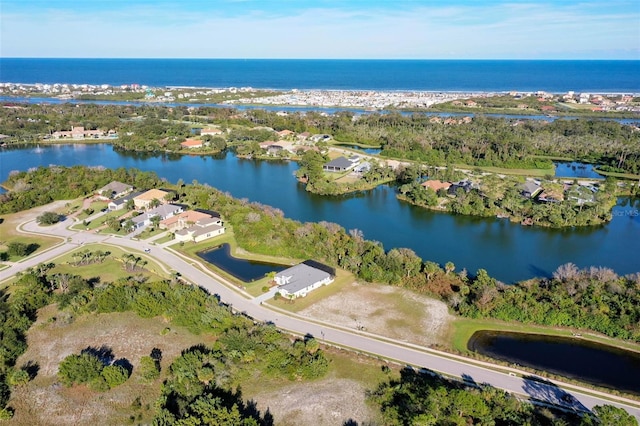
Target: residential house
(530, 189)
(183, 220)
(436, 185)
(191, 144)
(300, 279)
(77, 132)
(211, 131)
(285, 133)
(274, 149)
(121, 203)
(304, 136)
(465, 185)
(163, 211)
(144, 200)
(202, 230)
(551, 195)
(341, 164)
(114, 189)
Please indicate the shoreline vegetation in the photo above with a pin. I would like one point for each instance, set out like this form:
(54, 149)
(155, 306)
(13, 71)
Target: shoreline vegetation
(238, 348)
(572, 297)
(482, 154)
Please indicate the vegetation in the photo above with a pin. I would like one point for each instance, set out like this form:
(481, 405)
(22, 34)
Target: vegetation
(571, 205)
(595, 299)
(49, 218)
(481, 141)
(426, 398)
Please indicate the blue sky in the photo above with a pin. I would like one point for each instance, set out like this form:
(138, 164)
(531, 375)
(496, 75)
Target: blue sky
(377, 29)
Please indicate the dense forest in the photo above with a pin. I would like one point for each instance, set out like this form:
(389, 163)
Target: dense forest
(481, 141)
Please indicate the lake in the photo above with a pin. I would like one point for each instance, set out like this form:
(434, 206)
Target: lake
(576, 169)
(575, 358)
(508, 251)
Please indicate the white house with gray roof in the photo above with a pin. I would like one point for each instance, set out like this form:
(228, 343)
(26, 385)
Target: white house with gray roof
(299, 280)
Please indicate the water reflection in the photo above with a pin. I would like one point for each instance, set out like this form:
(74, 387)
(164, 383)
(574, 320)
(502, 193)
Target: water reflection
(575, 358)
(243, 269)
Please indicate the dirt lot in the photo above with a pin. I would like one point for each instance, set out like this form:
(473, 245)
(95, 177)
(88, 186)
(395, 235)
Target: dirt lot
(387, 311)
(44, 402)
(326, 402)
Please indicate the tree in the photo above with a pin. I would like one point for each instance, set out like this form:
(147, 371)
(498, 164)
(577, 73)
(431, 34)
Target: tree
(19, 249)
(608, 415)
(48, 218)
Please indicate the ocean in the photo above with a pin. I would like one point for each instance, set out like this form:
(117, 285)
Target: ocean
(595, 76)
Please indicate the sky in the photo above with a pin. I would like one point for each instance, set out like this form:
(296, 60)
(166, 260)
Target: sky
(319, 29)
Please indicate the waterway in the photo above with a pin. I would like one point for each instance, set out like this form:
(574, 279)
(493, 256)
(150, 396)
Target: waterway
(575, 358)
(299, 109)
(509, 252)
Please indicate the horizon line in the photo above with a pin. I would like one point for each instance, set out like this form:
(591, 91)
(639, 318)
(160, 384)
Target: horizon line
(321, 59)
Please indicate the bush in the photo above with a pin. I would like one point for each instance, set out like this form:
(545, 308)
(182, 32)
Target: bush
(48, 218)
(115, 375)
(77, 369)
(149, 368)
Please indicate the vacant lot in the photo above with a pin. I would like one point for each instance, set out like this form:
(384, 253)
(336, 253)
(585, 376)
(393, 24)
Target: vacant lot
(327, 402)
(387, 311)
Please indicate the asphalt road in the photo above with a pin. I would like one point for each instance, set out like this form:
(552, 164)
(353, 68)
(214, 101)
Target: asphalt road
(400, 352)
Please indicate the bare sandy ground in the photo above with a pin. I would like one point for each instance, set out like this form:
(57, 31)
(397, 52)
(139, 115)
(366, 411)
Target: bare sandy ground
(385, 310)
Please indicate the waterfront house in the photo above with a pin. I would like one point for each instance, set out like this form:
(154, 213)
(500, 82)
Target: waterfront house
(183, 220)
(202, 230)
(341, 164)
(436, 185)
(465, 185)
(300, 279)
(191, 144)
(144, 200)
(77, 132)
(211, 131)
(113, 190)
(530, 189)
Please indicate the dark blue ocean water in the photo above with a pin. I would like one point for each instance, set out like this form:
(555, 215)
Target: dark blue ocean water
(428, 75)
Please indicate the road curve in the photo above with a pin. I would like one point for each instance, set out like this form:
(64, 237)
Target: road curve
(400, 352)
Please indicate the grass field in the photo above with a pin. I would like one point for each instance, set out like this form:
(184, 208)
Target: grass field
(9, 233)
(108, 271)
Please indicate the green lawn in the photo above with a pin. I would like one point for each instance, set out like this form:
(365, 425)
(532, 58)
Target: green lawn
(108, 271)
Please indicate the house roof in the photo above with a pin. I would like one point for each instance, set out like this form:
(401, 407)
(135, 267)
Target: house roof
(340, 162)
(164, 209)
(189, 216)
(436, 185)
(126, 198)
(530, 187)
(152, 194)
(300, 277)
(211, 131)
(191, 143)
(115, 186)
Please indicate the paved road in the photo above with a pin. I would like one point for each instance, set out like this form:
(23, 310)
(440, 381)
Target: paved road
(358, 340)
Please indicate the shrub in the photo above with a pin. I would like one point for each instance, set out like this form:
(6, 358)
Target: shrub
(77, 369)
(48, 218)
(115, 375)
